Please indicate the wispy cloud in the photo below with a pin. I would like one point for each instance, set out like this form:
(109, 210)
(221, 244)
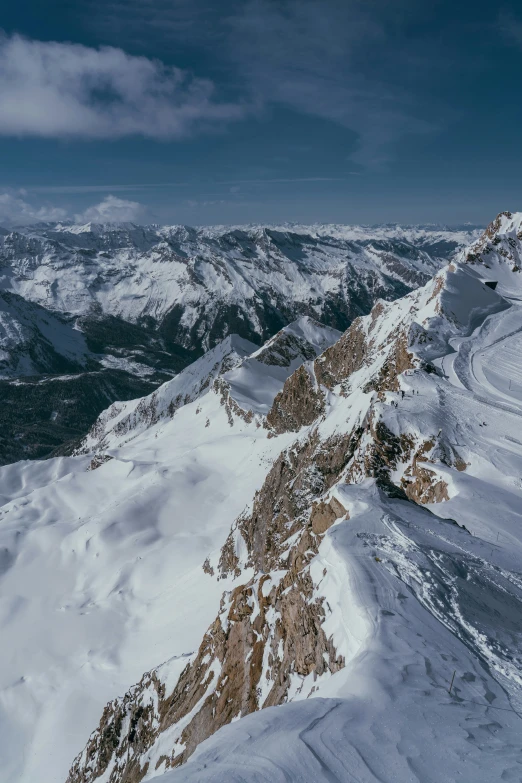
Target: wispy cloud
(113, 210)
(333, 59)
(18, 209)
(55, 90)
(192, 22)
(150, 186)
(313, 56)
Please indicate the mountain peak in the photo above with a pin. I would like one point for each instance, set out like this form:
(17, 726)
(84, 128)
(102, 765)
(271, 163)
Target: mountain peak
(497, 254)
(333, 533)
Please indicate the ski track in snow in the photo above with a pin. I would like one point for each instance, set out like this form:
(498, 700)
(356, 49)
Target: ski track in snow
(464, 599)
(102, 581)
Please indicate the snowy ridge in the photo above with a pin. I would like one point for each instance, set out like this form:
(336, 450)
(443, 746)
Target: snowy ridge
(125, 420)
(496, 255)
(34, 341)
(339, 553)
(251, 377)
(311, 585)
(202, 277)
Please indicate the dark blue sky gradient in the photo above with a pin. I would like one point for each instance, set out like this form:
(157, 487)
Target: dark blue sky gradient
(351, 112)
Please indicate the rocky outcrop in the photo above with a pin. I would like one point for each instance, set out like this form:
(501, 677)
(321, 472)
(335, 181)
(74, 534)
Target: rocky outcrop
(399, 360)
(267, 637)
(342, 359)
(232, 409)
(98, 460)
(125, 732)
(324, 514)
(499, 242)
(386, 356)
(298, 404)
(267, 642)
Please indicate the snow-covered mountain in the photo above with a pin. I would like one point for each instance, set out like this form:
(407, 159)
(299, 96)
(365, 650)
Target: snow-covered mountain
(302, 546)
(34, 341)
(110, 312)
(497, 254)
(199, 283)
(242, 372)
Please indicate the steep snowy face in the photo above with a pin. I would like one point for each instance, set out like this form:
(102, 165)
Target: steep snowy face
(362, 574)
(34, 341)
(198, 283)
(249, 379)
(149, 300)
(497, 255)
(299, 575)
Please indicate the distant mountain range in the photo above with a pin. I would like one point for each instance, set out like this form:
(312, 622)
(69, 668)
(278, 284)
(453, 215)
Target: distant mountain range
(298, 561)
(97, 313)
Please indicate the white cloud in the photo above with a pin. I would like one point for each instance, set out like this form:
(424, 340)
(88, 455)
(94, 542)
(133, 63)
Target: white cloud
(17, 210)
(14, 210)
(55, 89)
(112, 210)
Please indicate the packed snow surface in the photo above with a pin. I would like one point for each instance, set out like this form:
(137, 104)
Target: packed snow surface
(388, 716)
(101, 574)
(101, 570)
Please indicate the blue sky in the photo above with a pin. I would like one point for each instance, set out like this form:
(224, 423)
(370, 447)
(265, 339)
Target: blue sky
(192, 111)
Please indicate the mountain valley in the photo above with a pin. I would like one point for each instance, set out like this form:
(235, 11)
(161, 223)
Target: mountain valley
(299, 557)
(93, 314)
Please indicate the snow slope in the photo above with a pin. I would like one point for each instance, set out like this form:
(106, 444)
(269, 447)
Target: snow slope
(251, 376)
(102, 572)
(95, 561)
(195, 281)
(408, 598)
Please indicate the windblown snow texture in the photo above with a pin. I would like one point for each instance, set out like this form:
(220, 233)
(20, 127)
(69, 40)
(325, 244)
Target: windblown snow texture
(110, 312)
(272, 569)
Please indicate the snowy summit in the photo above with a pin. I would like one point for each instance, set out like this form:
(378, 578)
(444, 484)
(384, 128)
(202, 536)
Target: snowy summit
(299, 561)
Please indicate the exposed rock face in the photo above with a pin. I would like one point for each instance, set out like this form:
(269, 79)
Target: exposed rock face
(298, 404)
(423, 486)
(399, 463)
(268, 633)
(324, 515)
(98, 460)
(343, 358)
(232, 408)
(498, 252)
(301, 473)
(268, 637)
(398, 361)
(490, 239)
